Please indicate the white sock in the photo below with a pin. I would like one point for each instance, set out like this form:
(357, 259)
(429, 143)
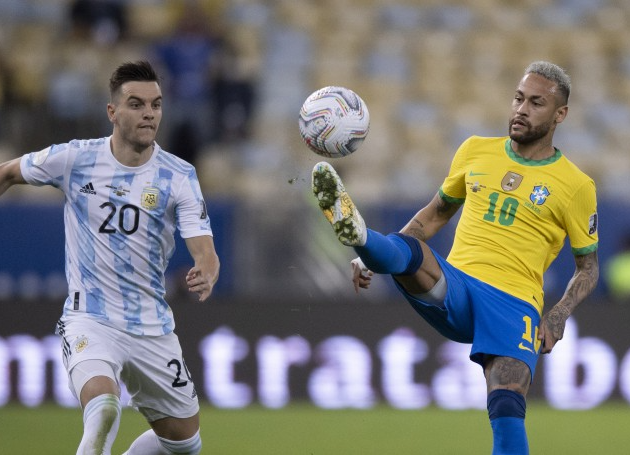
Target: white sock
(101, 418)
(191, 446)
(148, 443)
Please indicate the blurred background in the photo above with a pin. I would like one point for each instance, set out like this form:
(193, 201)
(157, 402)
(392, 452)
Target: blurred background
(285, 323)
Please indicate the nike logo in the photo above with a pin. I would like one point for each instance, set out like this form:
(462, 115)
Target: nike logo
(525, 348)
(473, 174)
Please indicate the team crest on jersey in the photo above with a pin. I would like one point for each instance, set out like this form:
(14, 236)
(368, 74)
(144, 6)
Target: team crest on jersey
(511, 181)
(149, 198)
(81, 344)
(539, 195)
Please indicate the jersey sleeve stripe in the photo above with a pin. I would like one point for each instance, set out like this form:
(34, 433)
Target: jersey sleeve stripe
(584, 250)
(452, 200)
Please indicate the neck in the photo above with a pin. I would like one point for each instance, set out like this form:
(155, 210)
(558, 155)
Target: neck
(535, 151)
(128, 154)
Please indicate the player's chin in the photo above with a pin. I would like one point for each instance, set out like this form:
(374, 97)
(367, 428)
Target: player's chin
(146, 136)
(516, 136)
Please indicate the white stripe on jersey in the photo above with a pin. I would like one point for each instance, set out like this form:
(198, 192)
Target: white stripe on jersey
(119, 225)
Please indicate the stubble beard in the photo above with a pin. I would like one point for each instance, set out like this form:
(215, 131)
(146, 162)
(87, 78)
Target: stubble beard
(530, 135)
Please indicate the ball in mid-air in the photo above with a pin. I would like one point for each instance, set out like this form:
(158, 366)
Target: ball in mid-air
(334, 121)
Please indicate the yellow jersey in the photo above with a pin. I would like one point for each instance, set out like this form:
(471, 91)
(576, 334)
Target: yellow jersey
(517, 214)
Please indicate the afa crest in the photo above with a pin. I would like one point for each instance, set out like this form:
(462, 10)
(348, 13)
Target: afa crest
(149, 198)
(81, 344)
(539, 195)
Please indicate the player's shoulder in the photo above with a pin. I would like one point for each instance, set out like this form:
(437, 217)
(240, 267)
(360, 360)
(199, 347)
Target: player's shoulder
(486, 139)
(485, 142)
(64, 151)
(88, 145)
(173, 162)
(572, 171)
(482, 148)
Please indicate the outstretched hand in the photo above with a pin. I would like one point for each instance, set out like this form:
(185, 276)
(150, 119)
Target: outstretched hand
(199, 283)
(361, 276)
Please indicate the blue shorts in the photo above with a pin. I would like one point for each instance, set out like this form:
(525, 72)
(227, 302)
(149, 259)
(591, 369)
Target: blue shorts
(495, 322)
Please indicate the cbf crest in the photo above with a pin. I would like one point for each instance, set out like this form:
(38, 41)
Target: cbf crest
(539, 195)
(150, 198)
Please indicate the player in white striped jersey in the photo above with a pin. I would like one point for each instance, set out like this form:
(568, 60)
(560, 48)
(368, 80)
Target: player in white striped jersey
(124, 199)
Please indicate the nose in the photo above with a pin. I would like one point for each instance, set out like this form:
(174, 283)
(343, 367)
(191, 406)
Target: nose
(522, 108)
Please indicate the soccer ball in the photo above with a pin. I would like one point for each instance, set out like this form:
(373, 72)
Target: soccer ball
(334, 121)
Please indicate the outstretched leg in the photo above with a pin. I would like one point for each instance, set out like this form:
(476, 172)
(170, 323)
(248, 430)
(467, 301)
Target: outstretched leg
(405, 257)
(337, 206)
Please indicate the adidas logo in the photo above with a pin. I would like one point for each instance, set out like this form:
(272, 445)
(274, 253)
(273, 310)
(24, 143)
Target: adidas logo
(89, 189)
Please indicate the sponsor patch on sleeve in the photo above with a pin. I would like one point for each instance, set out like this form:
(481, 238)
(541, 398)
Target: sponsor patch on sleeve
(592, 224)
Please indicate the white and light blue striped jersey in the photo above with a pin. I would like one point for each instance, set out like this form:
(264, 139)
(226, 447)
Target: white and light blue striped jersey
(120, 224)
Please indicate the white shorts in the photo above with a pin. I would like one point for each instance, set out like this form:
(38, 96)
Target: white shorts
(152, 368)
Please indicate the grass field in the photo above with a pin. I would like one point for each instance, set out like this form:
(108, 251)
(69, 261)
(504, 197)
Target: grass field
(305, 430)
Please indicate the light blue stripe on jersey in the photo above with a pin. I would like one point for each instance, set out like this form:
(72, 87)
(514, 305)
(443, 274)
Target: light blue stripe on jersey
(163, 180)
(194, 184)
(176, 164)
(81, 175)
(121, 251)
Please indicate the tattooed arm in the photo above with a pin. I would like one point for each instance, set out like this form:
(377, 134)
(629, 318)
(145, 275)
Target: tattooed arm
(429, 220)
(581, 284)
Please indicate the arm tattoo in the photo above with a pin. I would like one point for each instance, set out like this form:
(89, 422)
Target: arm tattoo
(583, 281)
(445, 207)
(430, 219)
(416, 229)
(556, 319)
(580, 286)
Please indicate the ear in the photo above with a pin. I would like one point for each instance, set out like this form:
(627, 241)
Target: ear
(561, 114)
(111, 112)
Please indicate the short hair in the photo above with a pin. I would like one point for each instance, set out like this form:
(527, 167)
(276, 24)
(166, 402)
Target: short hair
(132, 71)
(554, 73)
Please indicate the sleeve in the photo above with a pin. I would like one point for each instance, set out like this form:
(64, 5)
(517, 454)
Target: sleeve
(191, 212)
(581, 220)
(46, 167)
(453, 188)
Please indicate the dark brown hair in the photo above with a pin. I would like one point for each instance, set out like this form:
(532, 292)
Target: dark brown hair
(132, 71)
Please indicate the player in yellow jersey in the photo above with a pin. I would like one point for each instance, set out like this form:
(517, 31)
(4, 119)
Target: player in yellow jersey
(522, 198)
